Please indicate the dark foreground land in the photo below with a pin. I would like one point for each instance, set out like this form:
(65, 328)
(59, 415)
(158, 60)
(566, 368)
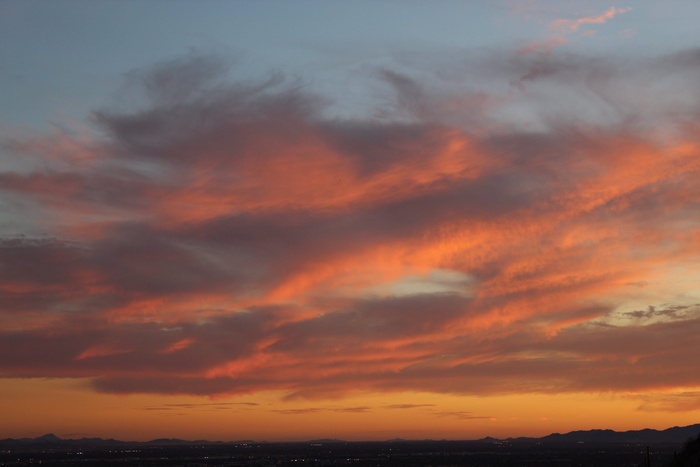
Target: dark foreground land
(483, 453)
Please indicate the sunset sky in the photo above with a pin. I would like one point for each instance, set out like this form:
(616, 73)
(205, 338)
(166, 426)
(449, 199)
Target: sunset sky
(288, 220)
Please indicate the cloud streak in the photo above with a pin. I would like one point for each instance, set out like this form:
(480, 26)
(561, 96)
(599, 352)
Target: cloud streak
(572, 25)
(563, 27)
(232, 238)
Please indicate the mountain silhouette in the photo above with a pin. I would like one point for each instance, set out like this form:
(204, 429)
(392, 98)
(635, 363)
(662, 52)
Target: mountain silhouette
(48, 438)
(670, 435)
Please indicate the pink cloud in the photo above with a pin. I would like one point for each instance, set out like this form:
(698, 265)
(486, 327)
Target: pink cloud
(230, 239)
(572, 25)
(545, 46)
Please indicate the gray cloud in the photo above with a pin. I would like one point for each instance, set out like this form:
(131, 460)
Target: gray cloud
(228, 238)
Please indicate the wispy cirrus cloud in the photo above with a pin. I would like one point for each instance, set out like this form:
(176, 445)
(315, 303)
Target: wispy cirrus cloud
(203, 406)
(546, 46)
(313, 410)
(408, 406)
(462, 415)
(561, 28)
(678, 401)
(572, 25)
(231, 238)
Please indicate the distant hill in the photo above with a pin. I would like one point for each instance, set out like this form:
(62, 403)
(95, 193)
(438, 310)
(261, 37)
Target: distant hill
(647, 436)
(671, 435)
(53, 440)
(50, 439)
(689, 456)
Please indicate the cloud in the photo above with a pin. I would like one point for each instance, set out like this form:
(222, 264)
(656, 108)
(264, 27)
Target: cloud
(461, 415)
(545, 46)
(202, 406)
(232, 238)
(684, 401)
(571, 25)
(408, 406)
(560, 28)
(312, 410)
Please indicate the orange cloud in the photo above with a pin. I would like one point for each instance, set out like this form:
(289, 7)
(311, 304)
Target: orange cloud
(672, 401)
(235, 241)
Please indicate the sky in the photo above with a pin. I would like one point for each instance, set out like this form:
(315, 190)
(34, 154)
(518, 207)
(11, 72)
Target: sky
(363, 220)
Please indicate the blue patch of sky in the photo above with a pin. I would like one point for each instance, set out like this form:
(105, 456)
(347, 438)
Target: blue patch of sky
(63, 58)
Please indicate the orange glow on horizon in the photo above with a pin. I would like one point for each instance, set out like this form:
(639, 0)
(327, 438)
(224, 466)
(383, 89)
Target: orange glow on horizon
(364, 417)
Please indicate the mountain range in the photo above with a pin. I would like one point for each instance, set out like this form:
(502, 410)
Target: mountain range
(670, 435)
